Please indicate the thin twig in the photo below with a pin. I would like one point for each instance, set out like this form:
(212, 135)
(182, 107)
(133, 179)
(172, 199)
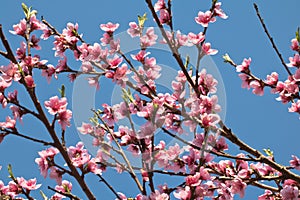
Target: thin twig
(71, 196)
(27, 137)
(271, 39)
(109, 186)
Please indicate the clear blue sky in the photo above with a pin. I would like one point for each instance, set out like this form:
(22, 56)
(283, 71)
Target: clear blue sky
(260, 121)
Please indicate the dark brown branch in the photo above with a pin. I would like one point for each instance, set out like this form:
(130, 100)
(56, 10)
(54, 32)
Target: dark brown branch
(271, 39)
(9, 54)
(27, 137)
(175, 53)
(109, 186)
(69, 195)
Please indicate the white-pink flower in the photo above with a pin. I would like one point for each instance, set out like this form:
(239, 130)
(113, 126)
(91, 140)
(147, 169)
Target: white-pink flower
(205, 18)
(109, 27)
(28, 184)
(64, 118)
(78, 155)
(206, 49)
(55, 105)
(244, 67)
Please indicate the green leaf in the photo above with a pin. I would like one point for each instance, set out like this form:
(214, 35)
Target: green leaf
(43, 195)
(25, 9)
(227, 58)
(187, 61)
(142, 20)
(268, 152)
(9, 169)
(62, 91)
(297, 34)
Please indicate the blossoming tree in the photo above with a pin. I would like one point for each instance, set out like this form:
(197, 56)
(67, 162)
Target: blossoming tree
(204, 165)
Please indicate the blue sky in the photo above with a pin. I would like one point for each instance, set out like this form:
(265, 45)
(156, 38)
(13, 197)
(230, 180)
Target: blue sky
(260, 121)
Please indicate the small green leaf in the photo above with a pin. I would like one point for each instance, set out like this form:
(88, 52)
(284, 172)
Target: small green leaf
(142, 20)
(187, 61)
(43, 195)
(33, 12)
(268, 152)
(297, 34)
(227, 58)
(62, 91)
(9, 169)
(25, 9)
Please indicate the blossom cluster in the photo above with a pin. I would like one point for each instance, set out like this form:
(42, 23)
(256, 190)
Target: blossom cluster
(204, 164)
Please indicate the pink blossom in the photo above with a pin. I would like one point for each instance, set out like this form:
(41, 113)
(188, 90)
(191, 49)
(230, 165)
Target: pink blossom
(46, 33)
(21, 51)
(295, 44)
(105, 40)
(85, 128)
(182, 40)
(10, 72)
(115, 61)
(55, 105)
(12, 189)
(64, 118)
(224, 192)
(246, 79)
(94, 81)
(140, 56)
(149, 39)
(35, 24)
(134, 30)
(42, 162)
(295, 107)
(160, 4)
(210, 120)
(297, 75)
(183, 193)
(258, 87)
(164, 16)
(84, 52)
(158, 196)
(295, 163)
(3, 100)
(4, 84)
(65, 187)
(193, 180)
(114, 46)
(78, 155)
(28, 185)
(164, 156)
(244, 67)
(289, 192)
(109, 27)
(196, 39)
(49, 72)
(29, 81)
(120, 75)
(108, 115)
(34, 42)
(94, 167)
(20, 29)
(238, 187)
(94, 52)
(207, 50)
(205, 18)
(62, 64)
(294, 61)
(9, 123)
(272, 79)
(17, 112)
(268, 195)
(219, 12)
